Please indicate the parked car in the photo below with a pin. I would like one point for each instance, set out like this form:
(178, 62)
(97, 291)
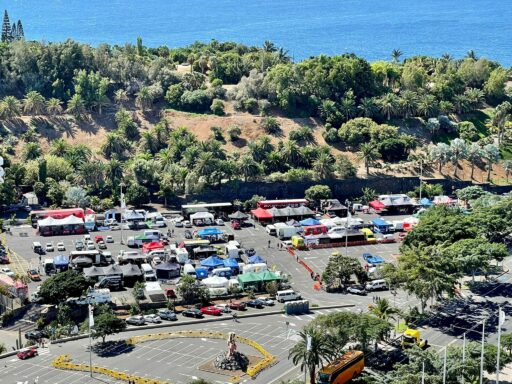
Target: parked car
(33, 275)
(198, 223)
(402, 235)
(90, 246)
(237, 305)
(187, 224)
(266, 301)
(34, 335)
(61, 247)
(224, 308)
(115, 227)
(97, 239)
(7, 271)
(135, 320)
(49, 247)
(167, 314)
(157, 260)
(255, 304)
(192, 312)
(178, 224)
(188, 234)
(27, 353)
(207, 221)
(219, 222)
(4, 259)
(356, 289)
(79, 245)
(109, 239)
(373, 259)
(102, 245)
(211, 310)
(152, 319)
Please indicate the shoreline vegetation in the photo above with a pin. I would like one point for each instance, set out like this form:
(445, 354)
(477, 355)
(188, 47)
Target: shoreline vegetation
(276, 120)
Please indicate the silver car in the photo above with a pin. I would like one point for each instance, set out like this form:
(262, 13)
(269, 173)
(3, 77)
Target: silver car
(152, 319)
(135, 320)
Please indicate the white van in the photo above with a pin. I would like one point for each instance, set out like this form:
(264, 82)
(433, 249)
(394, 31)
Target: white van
(288, 295)
(153, 234)
(157, 253)
(271, 230)
(377, 285)
(188, 269)
(149, 273)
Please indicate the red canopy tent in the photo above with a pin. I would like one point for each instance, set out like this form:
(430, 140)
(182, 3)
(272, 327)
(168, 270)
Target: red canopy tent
(261, 214)
(152, 246)
(377, 205)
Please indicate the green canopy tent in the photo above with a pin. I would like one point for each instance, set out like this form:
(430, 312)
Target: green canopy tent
(256, 280)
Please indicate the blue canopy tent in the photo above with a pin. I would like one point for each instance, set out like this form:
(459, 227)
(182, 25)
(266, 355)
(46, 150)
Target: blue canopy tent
(209, 233)
(309, 222)
(256, 260)
(201, 273)
(426, 202)
(212, 262)
(231, 263)
(381, 226)
(61, 262)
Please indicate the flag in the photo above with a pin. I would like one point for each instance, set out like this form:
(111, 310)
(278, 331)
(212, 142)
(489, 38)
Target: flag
(308, 344)
(501, 317)
(91, 316)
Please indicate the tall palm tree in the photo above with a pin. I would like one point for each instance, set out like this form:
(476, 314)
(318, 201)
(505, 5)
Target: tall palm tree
(76, 107)
(507, 167)
(9, 107)
(165, 158)
(427, 106)
(34, 103)
(501, 118)
(458, 152)
(471, 55)
(323, 166)
(368, 153)
(492, 156)
(389, 104)
(408, 103)
(395, 55)
(475, 97)
(248, 167)
(54, 106)
(461, 103)
(290, 153)
(59, 147)
(475, 153)
(269, 46)
(321, 350)
(440, 154)
(348, 107)
(447, 57)
(148, 142)
(121, 97)
(383, 309)
(367, 107)
(114, 145)
(273, 162)
(144, 99)
(114, 170)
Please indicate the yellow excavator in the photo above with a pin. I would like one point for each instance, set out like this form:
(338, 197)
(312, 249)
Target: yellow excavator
(413, 337)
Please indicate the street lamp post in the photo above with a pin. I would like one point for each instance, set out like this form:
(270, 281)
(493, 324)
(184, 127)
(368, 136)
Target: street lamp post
(123, 205)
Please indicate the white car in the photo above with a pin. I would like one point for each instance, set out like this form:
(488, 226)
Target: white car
(60, 246)
(90, 246)
(49, 247)
(224, 308)
(135, 320)
(152, 319)
(219, 222)
(187, 224)
(109, 239)
(7, 271)
(178, 224)
(267, 301)
(157, 260)
(115, 227)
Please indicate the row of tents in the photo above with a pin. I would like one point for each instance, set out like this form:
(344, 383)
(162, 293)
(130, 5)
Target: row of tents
(273, 213)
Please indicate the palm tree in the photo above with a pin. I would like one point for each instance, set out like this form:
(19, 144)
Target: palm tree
(313, 350)
(395, 55)
(461, 103)
(10, 107)
(59, 147)
(323, 166)
(507, 167)
(427, 106)
(367, 107)
(458, 151)
(290, 153)
(471, 55)
(76, 107)
(440, 153)
(144, 99)
(148, 142)
(269, 46)
(368, 153)
(248, 167)
(389, 104)
(34, 103)
(501, 119)
(348, 107)
(32, 151)
(121, 97)
(114, 170)
(273, 162)
(475, 97)
(114, 145)
(165, 158)
(475, 153)
(54, 106)
(408, 103)
(447, 57)
(492, 156)
(383, 310)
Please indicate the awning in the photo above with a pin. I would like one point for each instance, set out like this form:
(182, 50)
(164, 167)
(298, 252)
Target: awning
(130, 270)
(377, 205)
(302, 211)
(238, 216)
(216, 282)
(168, 267)
(201, 273)
(254, 277)
(261, 214)
(152, 246)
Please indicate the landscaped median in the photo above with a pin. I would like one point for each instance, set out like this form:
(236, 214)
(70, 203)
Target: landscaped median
(64, 361)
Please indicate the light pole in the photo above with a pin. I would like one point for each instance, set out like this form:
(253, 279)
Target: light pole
(123, 206)
(482, 353)
(347, 226)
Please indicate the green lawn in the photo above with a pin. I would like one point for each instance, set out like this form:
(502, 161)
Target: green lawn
(479, 118)
(506, 152)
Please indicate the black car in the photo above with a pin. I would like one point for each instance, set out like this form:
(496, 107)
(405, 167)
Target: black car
(188, 234)
(255, 304)
(192, 312)
(34, 335)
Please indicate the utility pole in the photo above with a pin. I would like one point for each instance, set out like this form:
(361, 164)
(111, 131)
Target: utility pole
(463, 356)
(482, 354)
(123, 206)
(501, 320)
(444, 365)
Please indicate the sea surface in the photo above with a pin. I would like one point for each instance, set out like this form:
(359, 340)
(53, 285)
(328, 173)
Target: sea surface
(370, 28)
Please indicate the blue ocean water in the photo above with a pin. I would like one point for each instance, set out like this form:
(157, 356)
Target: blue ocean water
(370, 28)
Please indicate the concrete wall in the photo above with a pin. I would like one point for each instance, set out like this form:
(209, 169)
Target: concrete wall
(342, 189)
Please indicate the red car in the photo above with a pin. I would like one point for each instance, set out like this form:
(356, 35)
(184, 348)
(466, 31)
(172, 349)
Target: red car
(97, 239)
(235, 225)
(211, 311)
(237, 305)
(26, 353)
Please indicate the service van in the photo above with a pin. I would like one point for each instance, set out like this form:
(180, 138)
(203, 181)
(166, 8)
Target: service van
(271, 230)
(110, 282)
(149, 273)
(153, 234)
(37, 247)
(287, 295)
(188, 269)
(376, 285)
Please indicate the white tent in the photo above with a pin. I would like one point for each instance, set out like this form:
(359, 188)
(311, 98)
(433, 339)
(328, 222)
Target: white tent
(216, 282)
(48, 222)
(70, 220)
(201, 216)
(218, 291)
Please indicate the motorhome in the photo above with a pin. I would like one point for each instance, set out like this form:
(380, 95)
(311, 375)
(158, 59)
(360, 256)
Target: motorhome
(149, 272)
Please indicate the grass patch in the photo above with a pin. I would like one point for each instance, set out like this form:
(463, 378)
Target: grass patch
(506, 151)
(479, 119)
(444, 137)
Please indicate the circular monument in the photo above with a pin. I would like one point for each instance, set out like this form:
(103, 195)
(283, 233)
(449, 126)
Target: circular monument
(232, 360)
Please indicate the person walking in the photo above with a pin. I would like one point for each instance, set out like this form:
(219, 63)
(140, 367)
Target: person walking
(235, 317)
(269, 243)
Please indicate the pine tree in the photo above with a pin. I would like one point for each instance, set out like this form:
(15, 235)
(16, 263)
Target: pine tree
(21, 34)
(6, 28)
(14, 32)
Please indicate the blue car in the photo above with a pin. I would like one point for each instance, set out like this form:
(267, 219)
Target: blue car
(373, 259)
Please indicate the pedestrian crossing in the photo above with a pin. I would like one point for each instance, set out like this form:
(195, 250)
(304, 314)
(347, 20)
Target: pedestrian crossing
(315, 313)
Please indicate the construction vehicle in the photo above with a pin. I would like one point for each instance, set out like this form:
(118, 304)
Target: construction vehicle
(413, 337)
